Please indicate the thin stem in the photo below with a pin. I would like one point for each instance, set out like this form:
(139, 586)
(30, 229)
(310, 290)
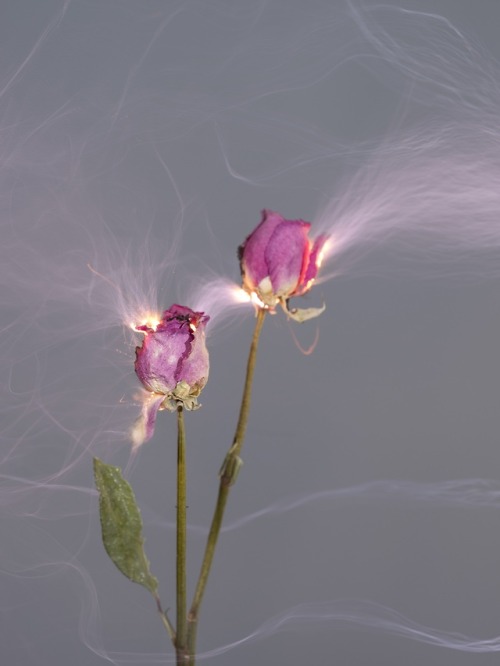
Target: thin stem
(181, 606)
(239, 435)
(228, 475)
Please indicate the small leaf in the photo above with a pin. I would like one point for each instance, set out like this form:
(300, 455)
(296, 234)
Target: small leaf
(121, 525)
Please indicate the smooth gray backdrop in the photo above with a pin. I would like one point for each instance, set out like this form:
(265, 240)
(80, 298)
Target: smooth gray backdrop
(139, 141)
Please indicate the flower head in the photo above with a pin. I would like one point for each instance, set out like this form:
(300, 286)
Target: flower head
(278, 261)
(172, 365)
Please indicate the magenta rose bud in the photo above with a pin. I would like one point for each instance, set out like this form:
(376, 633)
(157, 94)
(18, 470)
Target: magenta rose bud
(278, 260)
(172, 365)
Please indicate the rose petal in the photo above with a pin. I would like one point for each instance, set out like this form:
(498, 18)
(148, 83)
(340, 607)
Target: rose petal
(252, 251)
(157, 360)
(312, 266)
(286, 254)
(144, 427)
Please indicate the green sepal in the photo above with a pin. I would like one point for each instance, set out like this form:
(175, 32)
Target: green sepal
(121, 525)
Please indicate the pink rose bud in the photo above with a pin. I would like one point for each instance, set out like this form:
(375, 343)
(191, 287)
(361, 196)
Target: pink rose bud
(172, 365)
(278, 261)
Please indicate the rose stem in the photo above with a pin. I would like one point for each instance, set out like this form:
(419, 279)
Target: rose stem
(181, 605)
(228, 474)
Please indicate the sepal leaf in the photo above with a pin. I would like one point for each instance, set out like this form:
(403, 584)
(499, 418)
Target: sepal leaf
(302, 314)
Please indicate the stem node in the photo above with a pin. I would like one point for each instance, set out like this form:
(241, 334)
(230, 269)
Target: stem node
(230, 467)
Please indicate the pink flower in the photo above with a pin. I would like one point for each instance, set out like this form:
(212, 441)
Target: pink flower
(278, 261)
(172, 365)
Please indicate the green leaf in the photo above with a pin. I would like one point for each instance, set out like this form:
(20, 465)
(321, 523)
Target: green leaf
(121, 525)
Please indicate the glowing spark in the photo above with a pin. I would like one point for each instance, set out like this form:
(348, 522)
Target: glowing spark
(325, 250)
(240, 295)
(257, 302)
(147, 324)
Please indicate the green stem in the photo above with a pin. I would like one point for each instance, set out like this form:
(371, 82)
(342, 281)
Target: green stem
(181, 606)
(228, 475)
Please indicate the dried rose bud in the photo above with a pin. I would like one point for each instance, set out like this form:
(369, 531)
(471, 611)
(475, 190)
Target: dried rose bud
(278, 261)
(172, 365)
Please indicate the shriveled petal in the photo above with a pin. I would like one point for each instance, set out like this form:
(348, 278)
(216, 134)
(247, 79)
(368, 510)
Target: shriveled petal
(144, 427)
(252, 251)
(158, 359)
(312, 266)
(177, 310)
(195, 364)
(286, 254)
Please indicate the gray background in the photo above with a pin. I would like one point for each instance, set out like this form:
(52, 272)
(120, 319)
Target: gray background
(143, 138)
